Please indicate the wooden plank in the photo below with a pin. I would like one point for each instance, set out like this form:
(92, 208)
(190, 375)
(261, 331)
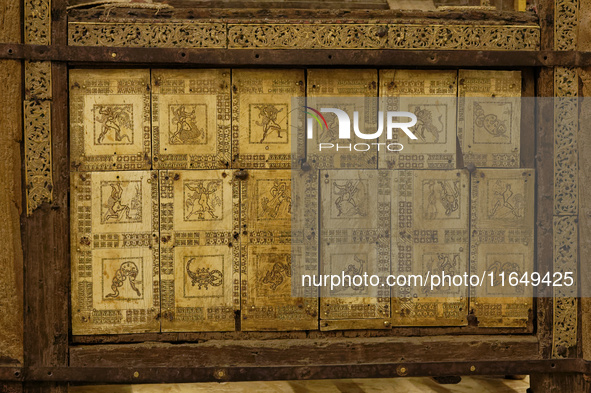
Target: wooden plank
(430, 234)
(263, 128)
(306, 351)
(431, 96)
(341, 89)
(11, 253)
(110, 120)
(267, 252)
(199, 256)
(527, 148)
(47, 255)
(115, 252)
(584, 150)
(544, 165)
(502, 242)
(191, 119)
(489, 117)
(354, 240)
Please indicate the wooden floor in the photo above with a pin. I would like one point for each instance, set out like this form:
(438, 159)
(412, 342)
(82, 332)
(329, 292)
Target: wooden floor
(397, 385)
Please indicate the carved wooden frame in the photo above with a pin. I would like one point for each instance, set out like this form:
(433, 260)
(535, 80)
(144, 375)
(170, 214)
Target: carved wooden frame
(39, 113)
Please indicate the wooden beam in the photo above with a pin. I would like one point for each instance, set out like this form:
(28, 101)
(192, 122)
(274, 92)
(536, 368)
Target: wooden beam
(11, 257)
(306, 351)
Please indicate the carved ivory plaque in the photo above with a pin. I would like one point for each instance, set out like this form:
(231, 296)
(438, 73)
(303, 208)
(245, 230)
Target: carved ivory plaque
(489, 118)
(199, 258)
(354, 239)
(502, 240)
(431, 96)
(191, 119)
(262, 129)
(110, 120)
(430, 216)
(342, 85)
(114, 246)
(267, 252)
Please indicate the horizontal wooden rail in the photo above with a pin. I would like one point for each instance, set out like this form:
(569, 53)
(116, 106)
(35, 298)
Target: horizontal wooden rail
(295, 57)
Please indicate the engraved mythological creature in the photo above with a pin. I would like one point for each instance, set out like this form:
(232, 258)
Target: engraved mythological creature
(114, 118)
(490, 122)
(269, 114)
(448, 196)
(347, 202)
(201, 200)
(506, 203)
(203, 277)
(280, 200)
(275, 276)
(128, 270)
(425, 124)
(186, 130)
(497, 267)
(118, 211)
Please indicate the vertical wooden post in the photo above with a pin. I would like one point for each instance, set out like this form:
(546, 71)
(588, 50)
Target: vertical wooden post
(47, 257)
(11, 259)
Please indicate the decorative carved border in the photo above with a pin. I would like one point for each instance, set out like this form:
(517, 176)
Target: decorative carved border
(153, 34)
(565, 307)
(37, 107)
(566, 17)
(383, 36)
(566, 127)
(187, 34)
(566, 171)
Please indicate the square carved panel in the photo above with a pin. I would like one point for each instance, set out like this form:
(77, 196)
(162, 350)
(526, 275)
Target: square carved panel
(272, 256)
(431, 96)
(489, 118)
(114, 247)
(354, 239)
(262, 117)
(430, 233)
(502, 241)
(191, 119)
(199, 254)
(342, 85)
(110, 120)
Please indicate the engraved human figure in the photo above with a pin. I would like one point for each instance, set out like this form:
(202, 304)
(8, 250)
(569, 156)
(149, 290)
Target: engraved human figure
(431, 201)
(280, 201)
(443, 264)
(113, 120)
(115, 208)
(425, 124)
(127, 271)
(269, 114)
(275, 276)
(506, 203)
(347, 201)
(450, 196)
(200, 201)
(186, 131)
